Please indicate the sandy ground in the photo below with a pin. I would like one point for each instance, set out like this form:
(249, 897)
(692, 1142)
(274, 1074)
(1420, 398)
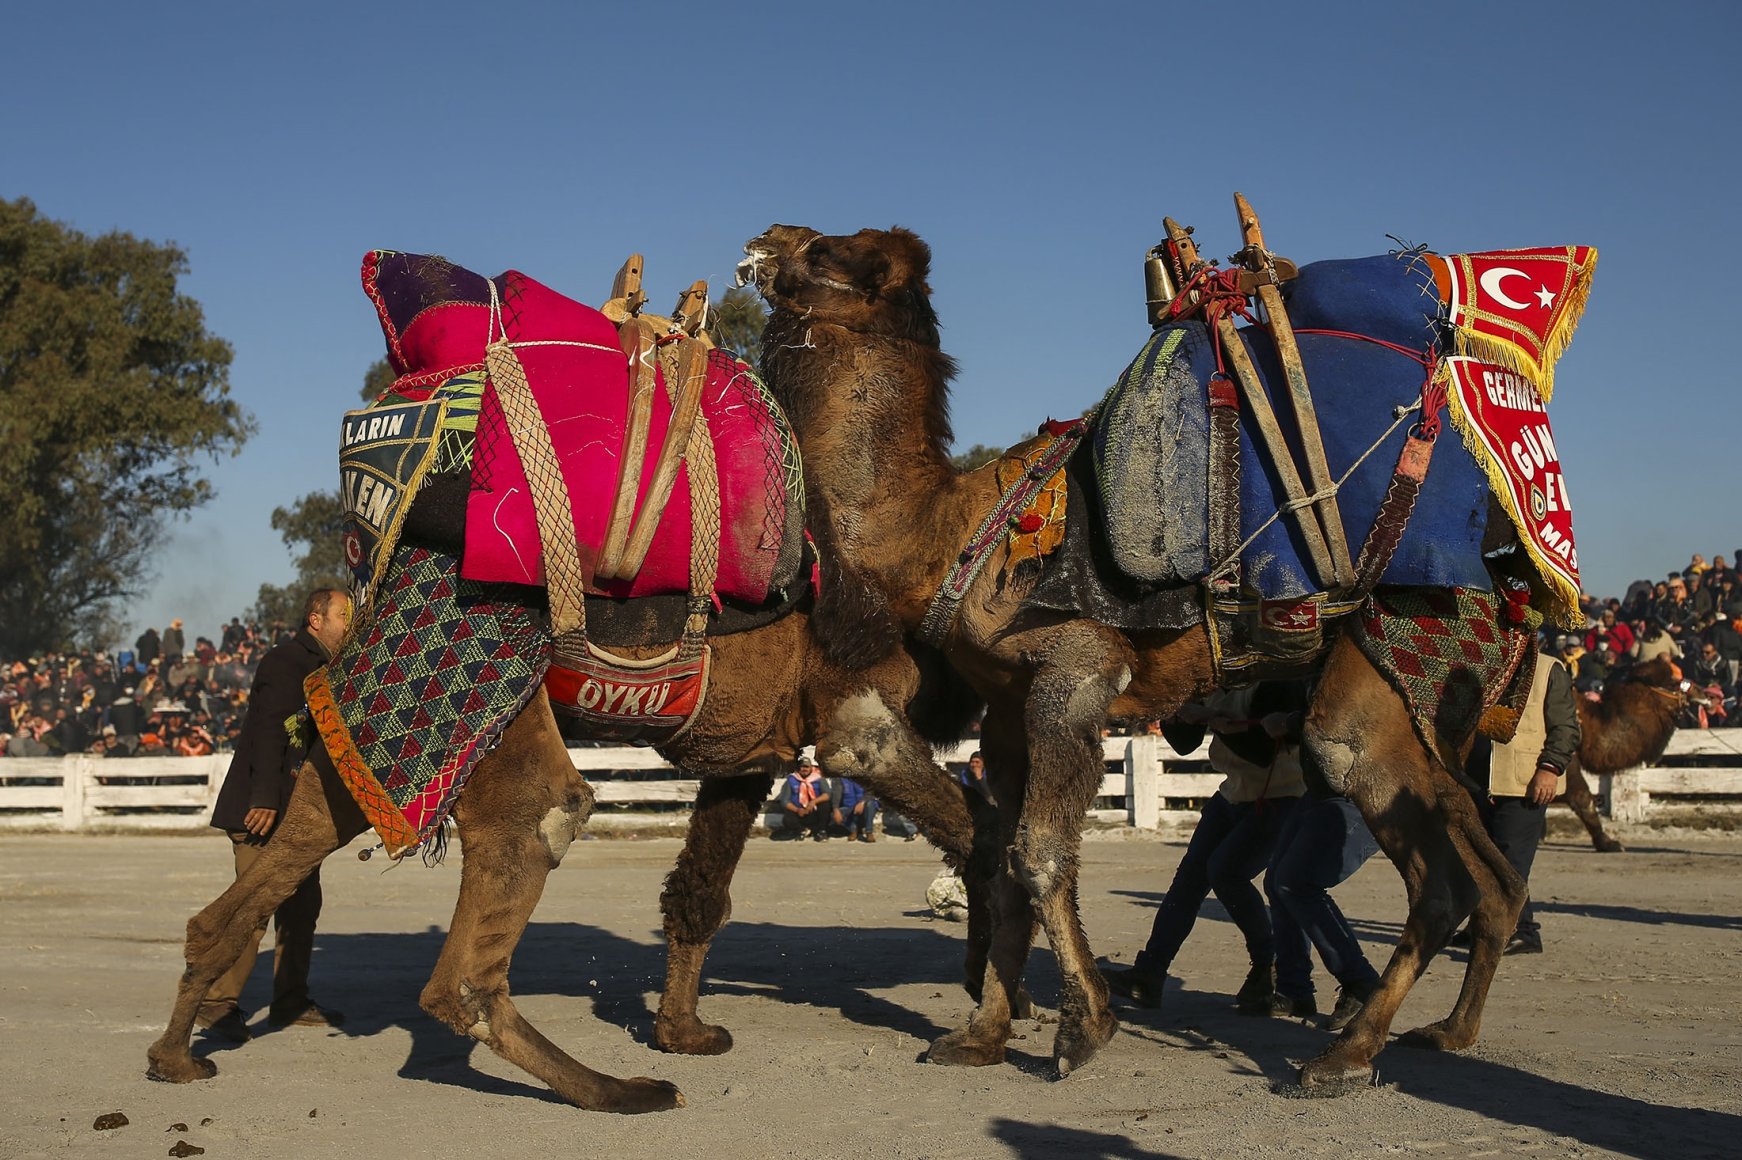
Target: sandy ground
(1624, 1039)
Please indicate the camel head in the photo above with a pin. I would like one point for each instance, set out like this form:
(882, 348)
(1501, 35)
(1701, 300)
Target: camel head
(873, 281)
(1665, 675)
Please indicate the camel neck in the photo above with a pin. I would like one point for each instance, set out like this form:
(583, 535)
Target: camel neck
(870, 413)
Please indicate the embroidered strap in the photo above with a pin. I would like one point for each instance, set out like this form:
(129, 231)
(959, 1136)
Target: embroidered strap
(941, 615)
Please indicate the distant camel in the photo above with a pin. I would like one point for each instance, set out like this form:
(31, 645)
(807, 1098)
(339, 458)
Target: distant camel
(1629, 726)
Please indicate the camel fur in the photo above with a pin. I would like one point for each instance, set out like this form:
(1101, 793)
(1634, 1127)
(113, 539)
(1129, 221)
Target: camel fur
(851, 350)
(1630, 725)
(772, 690)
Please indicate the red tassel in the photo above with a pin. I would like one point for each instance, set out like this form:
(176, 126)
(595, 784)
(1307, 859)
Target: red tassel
(1029, 523)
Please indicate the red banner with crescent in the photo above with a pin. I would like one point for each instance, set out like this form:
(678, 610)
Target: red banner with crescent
(1519, 308)
(1501, 416)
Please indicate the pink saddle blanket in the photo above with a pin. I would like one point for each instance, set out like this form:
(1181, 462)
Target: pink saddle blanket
(436, 317)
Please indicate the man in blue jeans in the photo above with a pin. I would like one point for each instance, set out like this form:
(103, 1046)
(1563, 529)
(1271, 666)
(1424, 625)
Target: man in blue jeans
(1323, 842)
(1256, 749)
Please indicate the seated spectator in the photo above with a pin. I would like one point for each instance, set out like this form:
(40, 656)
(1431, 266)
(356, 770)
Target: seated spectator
(1708, 670)
(853, 810)
(804, 801)
(973, 775)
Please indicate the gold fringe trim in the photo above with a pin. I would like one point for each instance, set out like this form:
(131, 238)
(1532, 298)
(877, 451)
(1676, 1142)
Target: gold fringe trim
(1563, 593)
(1512, 355)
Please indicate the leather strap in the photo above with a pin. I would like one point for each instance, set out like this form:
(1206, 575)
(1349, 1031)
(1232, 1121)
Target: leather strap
(946, 605)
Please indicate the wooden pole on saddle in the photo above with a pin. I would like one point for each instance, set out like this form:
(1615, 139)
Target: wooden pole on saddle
(1262, 263)
(640, 354)
(624, 308)
(1257, 405)
(692, 372)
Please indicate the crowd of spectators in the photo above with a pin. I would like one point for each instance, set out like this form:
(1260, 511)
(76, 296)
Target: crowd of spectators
(1690, 616)
(162, 697)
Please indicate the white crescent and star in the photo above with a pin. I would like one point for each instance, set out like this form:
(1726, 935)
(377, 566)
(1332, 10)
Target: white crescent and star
(1493, 285)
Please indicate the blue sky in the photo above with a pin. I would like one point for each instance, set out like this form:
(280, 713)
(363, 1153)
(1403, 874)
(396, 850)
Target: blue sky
(1035, 146)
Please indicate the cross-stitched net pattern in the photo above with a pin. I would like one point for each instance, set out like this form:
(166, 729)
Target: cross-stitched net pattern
(1445, 650)
(423, 689)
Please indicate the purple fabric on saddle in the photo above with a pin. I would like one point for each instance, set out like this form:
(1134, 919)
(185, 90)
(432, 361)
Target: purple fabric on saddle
(436, 319)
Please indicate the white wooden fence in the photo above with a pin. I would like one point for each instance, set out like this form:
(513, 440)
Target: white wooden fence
(1147, 785)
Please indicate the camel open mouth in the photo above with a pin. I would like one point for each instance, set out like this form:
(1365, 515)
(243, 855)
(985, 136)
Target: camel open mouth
(757, 268)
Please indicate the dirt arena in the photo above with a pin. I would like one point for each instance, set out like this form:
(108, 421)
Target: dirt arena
(1624, 1039)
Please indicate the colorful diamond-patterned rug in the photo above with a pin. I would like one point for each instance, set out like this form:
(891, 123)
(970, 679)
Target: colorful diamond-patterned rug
(423, 689)
(1446, 650)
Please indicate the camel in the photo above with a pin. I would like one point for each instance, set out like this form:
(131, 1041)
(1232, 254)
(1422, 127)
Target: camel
(771, 690)
(1630, 725)
(851, 350)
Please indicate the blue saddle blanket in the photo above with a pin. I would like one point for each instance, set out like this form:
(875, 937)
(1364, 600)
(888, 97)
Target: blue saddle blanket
(1151, 441)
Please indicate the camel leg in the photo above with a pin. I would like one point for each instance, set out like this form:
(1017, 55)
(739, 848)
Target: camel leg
(1067, 705)
(520, 810)
(1008, 911)
(1359, 738)
(697, 902)
(867, 741)
(319, 819)
(1579, 799)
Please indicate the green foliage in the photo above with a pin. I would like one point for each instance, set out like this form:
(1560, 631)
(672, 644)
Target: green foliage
(376, 380)
(737, 322)
(112, 393)
(976, 456)
(313, 529)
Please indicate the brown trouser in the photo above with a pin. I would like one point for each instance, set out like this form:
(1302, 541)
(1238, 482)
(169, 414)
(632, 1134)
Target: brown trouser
(293, 944)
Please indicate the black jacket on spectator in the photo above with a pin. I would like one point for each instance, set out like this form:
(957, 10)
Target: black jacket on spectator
(258, 777)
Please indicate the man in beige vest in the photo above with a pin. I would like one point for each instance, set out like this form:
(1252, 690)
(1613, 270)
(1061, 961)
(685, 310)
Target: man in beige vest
(1523, 776)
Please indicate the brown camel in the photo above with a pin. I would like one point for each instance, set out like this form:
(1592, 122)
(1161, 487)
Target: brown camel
(851, 349)
(1631, 725)
(771, 690)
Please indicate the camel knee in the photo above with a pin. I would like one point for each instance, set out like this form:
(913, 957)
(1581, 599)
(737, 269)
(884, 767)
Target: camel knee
(1041, 862)
(562, 823)
(463, 1007)
(863, 736)
(692, 914)
(1327, 761)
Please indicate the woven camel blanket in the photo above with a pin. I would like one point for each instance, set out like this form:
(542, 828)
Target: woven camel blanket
(437, 318)
(421, 690)
(1451, 654)
(1371, 332)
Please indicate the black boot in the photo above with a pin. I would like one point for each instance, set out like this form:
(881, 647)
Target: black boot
(1254, 995)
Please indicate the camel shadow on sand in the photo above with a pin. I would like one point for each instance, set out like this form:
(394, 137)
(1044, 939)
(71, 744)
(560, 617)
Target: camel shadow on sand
(1479, 1081)
(375, 979)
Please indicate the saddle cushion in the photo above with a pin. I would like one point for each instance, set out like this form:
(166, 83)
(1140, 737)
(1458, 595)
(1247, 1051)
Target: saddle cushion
(1152, 440)
(436, 317)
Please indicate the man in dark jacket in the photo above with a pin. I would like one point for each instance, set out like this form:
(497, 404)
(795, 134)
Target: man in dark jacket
(253, 799)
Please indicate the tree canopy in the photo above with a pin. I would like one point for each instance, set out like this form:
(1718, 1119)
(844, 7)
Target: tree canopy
(737, 322)
(313, 529)
(112, 396)
(976, 456)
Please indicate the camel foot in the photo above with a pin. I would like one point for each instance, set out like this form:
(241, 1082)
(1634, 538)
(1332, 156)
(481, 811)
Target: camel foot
(1608, 845)
(1023, 1007)
(1329, 1075)
(642, 1094)
(184, 1067)
(1439, 1036)
(691, 1037)
(1075, 1045)
(958, 1049)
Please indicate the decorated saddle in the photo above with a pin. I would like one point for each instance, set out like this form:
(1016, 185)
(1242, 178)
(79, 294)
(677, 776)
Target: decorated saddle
(1269, 477)
(439, 319)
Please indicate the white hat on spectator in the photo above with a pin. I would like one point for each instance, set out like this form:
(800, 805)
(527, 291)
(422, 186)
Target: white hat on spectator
(807, 756)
